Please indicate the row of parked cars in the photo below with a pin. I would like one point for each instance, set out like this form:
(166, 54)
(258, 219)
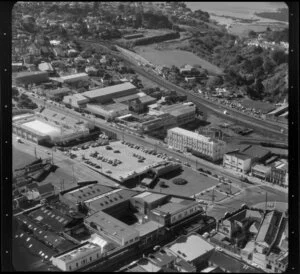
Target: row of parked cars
(148, 151)
(140, 158)
(114, 162)
(92, 164)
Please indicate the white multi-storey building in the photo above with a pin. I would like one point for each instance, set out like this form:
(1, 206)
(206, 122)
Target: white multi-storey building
(78, 257)
(237, 161)
(206, 147)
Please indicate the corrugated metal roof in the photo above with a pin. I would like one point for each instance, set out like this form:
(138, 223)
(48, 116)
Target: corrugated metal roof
(256, 152)
(230, 264)
(111, 225)
(109, 90)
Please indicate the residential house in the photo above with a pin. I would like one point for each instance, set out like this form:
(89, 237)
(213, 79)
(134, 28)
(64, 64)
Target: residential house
(231, 224)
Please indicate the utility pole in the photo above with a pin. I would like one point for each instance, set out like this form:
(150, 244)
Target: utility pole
(62, 185)
(73, 173)
(266, 202)
(213, 196)
(35, 152)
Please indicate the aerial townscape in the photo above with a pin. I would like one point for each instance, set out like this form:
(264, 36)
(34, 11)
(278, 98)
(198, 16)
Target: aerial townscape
(150, 136)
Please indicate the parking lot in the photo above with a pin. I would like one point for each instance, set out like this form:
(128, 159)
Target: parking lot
(117, 159)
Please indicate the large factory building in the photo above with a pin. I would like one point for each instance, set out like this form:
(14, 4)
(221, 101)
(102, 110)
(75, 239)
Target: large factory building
(104, 95)
(49, 126)
(33, 77)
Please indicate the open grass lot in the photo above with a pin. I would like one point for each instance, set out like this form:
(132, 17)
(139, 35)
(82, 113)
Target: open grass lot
(263, 106)
(243, 29)
(20, 158)
(196, 183)
(207, 195)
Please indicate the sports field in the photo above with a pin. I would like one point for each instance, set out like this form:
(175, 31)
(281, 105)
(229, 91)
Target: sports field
(175, 57)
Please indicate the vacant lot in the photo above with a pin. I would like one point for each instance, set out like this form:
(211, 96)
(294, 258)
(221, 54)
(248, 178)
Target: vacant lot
(263, 106)
(208, 195)
(20, 158)
(226, 189)
(196, 183)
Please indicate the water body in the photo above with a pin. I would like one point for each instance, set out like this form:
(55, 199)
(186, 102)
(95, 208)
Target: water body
(245, 10)
(236, 9)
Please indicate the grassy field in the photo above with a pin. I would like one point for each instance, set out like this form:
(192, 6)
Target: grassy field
(265, 107)
(196, 183)
(174, 57)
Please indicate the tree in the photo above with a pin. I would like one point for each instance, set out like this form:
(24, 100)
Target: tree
(268, 65)
(121, 7)
(257, 61)
(252, 34)
(95, 6)
(247, 66)
(279, 56)
(214, 81)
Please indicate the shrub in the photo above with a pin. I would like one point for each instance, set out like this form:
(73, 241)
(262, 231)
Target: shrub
(163, 184)
(179, 181)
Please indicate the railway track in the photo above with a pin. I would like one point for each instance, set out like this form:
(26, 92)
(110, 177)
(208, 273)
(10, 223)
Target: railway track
(268, 129)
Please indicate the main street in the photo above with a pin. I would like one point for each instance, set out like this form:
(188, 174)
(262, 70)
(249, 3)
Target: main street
(250, 194)
(265, 127)
(146, 141)
(69, 170)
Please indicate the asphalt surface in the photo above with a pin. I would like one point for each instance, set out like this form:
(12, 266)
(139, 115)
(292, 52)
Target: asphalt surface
(67, 165)
(252, 195)
(146, 141)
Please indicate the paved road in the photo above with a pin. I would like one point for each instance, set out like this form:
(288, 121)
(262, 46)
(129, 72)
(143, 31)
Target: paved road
(192, 160)
(65, 164)
(250, 196)
(267, 128)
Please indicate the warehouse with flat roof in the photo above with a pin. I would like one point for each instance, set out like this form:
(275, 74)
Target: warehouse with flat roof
(112, 228)
(183, 113)
(104, 95)
(83, 194)
(72, 78)
(109, 111)
(31, 77)
(192, 248)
